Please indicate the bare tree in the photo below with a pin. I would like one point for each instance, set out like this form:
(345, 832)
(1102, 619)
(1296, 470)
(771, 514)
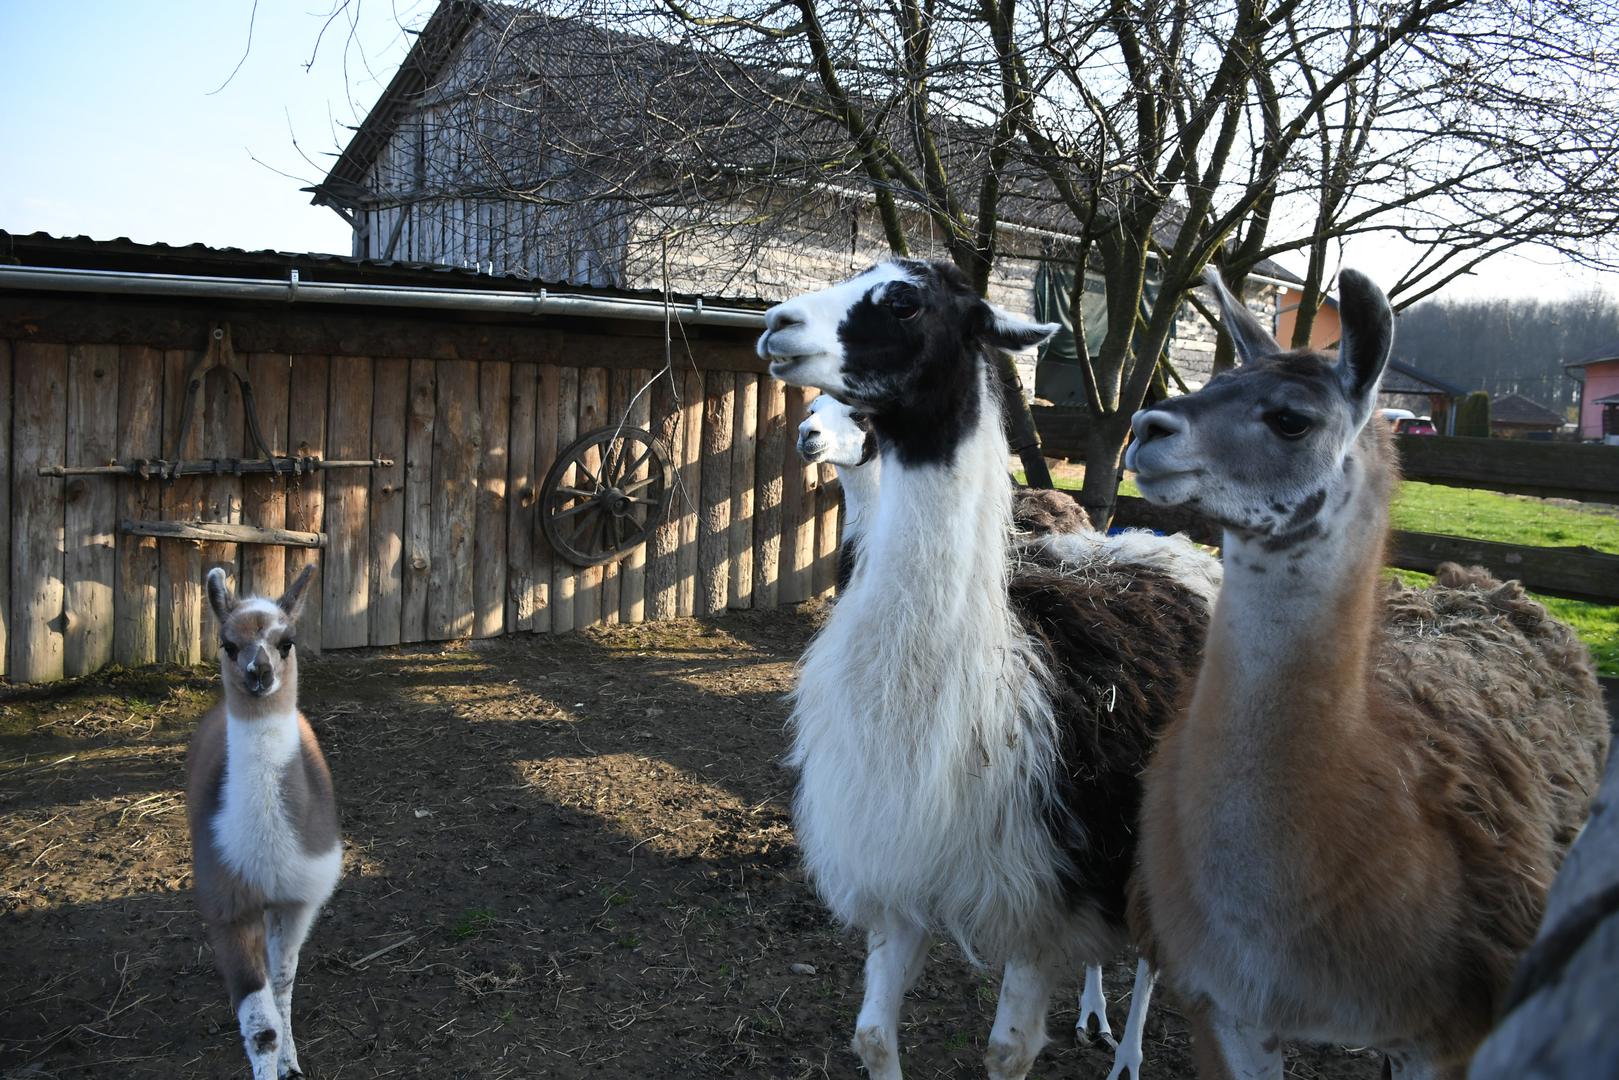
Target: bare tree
(1138, 139)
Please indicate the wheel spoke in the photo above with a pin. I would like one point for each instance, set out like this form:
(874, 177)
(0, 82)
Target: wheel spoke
(638, 461)
(576, 509)
(636, 485)
(563, 489)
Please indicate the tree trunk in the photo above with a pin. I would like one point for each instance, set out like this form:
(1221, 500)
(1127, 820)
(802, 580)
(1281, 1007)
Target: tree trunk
(1103, 445)
(1021, 434)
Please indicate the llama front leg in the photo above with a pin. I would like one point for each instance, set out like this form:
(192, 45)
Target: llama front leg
(1020, 1020)
(1092, 1003)
(286, 928)
(240, 955)
(1127, 1058)
(1228, 1048)
(895, 955)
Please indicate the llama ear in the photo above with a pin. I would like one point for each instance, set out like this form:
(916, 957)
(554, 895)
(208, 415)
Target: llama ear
(1251, 339)
(292, 601)
(220, 597)
(1368, 334)
(1006, 331)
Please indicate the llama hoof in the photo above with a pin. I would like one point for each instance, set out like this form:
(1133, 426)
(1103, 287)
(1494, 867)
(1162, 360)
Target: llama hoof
(1008, 1060)
(870, 1045)
(1084, 1036)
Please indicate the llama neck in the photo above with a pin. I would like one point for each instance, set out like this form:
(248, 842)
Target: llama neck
(946, 519)
(261, 737)
(860, 484)
(1286, 666)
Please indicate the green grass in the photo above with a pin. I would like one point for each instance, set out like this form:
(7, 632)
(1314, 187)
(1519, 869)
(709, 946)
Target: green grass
(1506, 519)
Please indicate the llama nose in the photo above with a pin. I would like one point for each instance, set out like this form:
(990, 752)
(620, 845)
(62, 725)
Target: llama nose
(781, 317)
(1154, 424)
(257, 674)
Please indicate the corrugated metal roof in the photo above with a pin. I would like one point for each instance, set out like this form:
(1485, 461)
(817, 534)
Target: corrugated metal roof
(85, 253)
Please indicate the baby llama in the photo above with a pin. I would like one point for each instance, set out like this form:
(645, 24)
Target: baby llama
(264, 841)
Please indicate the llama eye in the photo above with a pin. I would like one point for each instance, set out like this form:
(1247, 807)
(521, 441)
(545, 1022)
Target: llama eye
(230, 649)
(858, 417)
(1289, 424)
(285, 646)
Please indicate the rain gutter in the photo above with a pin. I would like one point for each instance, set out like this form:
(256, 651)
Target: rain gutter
(293, 290)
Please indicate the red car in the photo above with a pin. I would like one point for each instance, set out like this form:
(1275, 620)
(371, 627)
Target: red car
(1415, 425)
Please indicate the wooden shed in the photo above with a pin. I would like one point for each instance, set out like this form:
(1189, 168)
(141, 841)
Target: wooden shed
(453, 391)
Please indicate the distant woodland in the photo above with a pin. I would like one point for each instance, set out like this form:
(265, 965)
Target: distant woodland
(1503, 346)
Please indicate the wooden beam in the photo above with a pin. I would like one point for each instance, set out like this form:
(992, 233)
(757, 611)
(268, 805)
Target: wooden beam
(298, 329)
(1578, 573)
(221, 532)
(1547, 469)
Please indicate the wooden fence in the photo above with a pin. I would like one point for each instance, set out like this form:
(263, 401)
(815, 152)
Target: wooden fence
(442, 543)
(1549, 470)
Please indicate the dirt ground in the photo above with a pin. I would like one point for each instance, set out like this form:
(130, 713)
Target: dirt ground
(566, 857)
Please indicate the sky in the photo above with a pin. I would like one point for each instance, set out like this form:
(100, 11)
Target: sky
(125, 119)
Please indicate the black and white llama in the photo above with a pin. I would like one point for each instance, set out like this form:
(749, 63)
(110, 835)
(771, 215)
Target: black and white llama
(969, 725)
(264, 843)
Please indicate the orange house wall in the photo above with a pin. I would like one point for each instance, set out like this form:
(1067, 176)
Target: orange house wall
(1324, 332)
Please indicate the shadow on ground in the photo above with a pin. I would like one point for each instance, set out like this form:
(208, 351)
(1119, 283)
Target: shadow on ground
(566, 857)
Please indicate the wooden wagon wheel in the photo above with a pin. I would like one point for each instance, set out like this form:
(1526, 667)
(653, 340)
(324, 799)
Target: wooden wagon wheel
(605, 494)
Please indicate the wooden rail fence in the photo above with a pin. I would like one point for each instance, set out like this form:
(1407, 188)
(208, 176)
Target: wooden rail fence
(1549, 470)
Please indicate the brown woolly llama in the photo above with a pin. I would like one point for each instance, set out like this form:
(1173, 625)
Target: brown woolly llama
(1349, 835)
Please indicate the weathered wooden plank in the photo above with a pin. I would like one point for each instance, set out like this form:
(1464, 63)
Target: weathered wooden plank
(632, 586)
(770, 471)
(1561, 1026)
(494, 465)
(689, 493)
(545, 454)
(325, 330)
(797, 507)
(5, 506)
(307, 398)
(1578, 573)
(390, 405)
(223, 532)
(714, 509)
(38, 437)
(523, 486)
(140, 435)
(91, 506)
(224, 427)
(565, 577)
(346, 567)
(264, 498)
(618, 401)
(744, 448)
(455, 471)
(1546, 469)
(179, 623)
(661, 590)
(587, 609)
(827, 496)
(416, 573)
